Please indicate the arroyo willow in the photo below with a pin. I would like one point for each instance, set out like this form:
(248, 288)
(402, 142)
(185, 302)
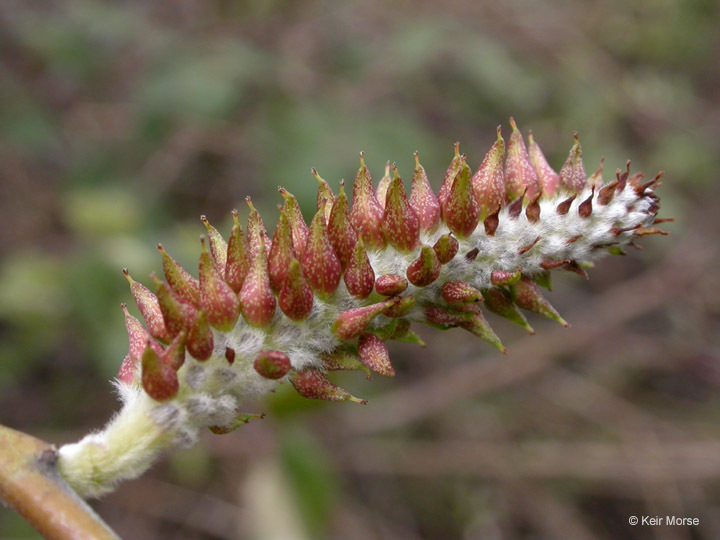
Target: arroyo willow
(329, 295)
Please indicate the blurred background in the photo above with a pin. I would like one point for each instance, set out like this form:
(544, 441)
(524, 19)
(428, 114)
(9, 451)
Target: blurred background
(122, 122)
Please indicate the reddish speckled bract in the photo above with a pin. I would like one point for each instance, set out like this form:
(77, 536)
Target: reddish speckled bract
(272, 364)
(489, 180)
(520, 175)
(320, 263)
(400, 224)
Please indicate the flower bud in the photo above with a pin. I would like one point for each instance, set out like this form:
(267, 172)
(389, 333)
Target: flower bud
(359, 275)
(449, 179)
(461, 211)
(500, 303)
(320, 265)
(175, 312)
(127, 372)
(181, 282)
(149, 307)
(238, 262)
(341, 359)
(572, 174)
(489, 180)
(295, 297)
(159, 380)
(217, 299)
(256, 231)
(299, 228)
(520, 176)
(383, 184)
(257, 301)
(400, 224)
(443, 317)
(200, 340)
(138, 337)
(446, 248)
(460, 292)
(423, 200)
(324, 193)
(351, 323)
(366, 213)
(478, 326)
(281, 253)
(526, 295)
(500, 277)
(218, 247)
(374, 354)
(313, 384)
(390, 285)
(174, 354)
(547, 177)
(340, 231)
(272, 364)
(425, 269)
(402, 306)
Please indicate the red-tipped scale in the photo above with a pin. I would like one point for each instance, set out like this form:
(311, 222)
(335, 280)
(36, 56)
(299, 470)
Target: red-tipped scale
(174, 354)
(374, 354)
(461, 211)
(459, 292)
(272, 364)
(256, 230)
(501, 277)
(547, 177)
(217, 299)
(489, 180)
(596, 179)
(324, 193)
(446, 248)
(383, 184)
(174, 311)
(295, 297)
(526, 295)
(313, 384)
(299, 228)
(181, 282)
(519, 172)
(572, 174)
(391, 285)
(341, 233)
(425, 269)
(351, 323)
(359, 275)
(159, 380)
(149, 307)
(257, 301)
(450, 175)
(199, 340)
(401, 306)
(238, 256)
(320, 265)
(423, 200)
(138, 337)
(218, 246)
(400, 224)
(281, 253)
(366, 214)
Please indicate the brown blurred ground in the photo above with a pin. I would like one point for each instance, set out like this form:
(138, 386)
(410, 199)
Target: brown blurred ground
(120, 123)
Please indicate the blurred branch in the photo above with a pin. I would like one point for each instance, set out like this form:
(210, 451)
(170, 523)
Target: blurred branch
(31, 485)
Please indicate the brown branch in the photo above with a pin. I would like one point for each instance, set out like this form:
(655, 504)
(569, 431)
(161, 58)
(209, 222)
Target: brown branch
(31, 485)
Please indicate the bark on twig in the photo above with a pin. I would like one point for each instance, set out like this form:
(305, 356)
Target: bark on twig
(31, 485)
